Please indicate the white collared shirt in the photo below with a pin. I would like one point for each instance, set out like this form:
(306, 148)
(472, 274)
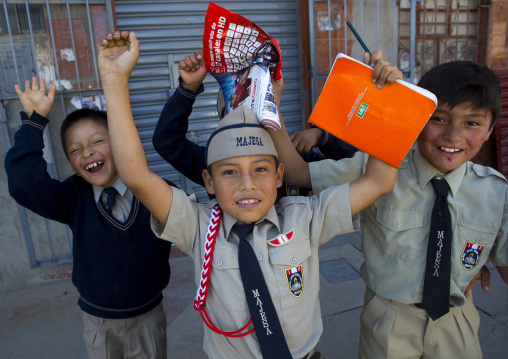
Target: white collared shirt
(123, 203)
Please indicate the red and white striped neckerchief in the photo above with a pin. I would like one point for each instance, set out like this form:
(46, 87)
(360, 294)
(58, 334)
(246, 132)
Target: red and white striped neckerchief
(200, 300)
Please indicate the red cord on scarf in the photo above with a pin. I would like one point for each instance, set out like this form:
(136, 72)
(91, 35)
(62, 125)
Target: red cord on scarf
(200, 300)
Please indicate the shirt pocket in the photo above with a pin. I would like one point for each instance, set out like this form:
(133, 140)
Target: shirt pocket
(399, 232)
(225, 288)
(291, 268)
(471, 247)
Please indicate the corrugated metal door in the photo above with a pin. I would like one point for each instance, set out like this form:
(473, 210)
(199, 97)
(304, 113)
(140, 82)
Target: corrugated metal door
(170, 30)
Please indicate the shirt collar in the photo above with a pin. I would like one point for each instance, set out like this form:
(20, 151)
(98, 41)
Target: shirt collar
(229, 221)
(425, 172)
(118, 185)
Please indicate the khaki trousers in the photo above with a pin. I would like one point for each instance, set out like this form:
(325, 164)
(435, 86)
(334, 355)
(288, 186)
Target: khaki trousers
(389, 329)
(143, 336)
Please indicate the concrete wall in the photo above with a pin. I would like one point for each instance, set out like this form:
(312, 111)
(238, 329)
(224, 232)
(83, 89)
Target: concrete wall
(497, 54)
(16, 270)
(15, 267)
(386, 34)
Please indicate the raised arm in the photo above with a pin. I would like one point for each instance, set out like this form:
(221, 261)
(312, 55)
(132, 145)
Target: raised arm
(27, 172)
(118, 55)
(169, 137)
(296, 170)
(377, 180)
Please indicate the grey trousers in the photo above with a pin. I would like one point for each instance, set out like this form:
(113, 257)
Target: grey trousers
(143, 336)
(389, 329)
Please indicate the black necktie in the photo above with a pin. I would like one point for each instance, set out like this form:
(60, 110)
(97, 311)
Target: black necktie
(436, 287)
(110, 197)
(268, 330)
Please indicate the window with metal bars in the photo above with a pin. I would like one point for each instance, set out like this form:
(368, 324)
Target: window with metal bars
(18, 19)
(446, 30)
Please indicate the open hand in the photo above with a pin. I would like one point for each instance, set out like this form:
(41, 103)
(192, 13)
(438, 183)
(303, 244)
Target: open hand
(192, 70)
(384, 72)
(118, 55)
(34, 97)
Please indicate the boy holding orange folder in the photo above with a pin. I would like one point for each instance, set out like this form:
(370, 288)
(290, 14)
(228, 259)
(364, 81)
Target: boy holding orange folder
(399, 318)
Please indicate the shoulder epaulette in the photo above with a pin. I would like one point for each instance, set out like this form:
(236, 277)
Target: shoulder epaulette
(484, 171)
(404, 163)
(284, 201)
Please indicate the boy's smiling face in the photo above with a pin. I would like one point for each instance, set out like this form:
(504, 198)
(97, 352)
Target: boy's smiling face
(245, 186)
(89, 151)
(454, 136)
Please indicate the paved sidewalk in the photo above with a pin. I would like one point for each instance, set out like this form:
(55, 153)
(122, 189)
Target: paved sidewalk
(44, 321)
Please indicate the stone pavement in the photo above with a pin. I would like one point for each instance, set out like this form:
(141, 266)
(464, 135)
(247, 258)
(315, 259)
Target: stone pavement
(43, 321)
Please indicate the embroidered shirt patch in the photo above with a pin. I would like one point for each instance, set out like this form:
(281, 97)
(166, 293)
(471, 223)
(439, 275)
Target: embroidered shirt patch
(292, 190)
(294, 277)
(471, 255)
(281, 239)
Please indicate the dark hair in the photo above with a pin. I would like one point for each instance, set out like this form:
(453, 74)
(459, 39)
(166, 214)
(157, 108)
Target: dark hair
(209, 168)
(457, 82)
(80, 115)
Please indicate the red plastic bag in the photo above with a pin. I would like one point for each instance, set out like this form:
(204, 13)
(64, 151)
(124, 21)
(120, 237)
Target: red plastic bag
(242, 58)
(232, 42)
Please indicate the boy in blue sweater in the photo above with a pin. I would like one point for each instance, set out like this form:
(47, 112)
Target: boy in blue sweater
(120, 266)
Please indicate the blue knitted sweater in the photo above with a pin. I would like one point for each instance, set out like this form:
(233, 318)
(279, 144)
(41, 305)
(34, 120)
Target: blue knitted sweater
(120, 269)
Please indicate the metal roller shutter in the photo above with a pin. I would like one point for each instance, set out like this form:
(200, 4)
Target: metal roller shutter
(170, 30)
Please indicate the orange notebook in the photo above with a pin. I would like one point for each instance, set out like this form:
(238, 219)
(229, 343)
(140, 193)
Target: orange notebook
(381, 122)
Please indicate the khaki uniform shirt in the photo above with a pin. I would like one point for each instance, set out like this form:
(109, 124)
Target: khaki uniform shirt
(396, 227)
(313, 221)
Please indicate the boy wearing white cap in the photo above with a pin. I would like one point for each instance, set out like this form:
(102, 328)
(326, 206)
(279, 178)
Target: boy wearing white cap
(253, 259)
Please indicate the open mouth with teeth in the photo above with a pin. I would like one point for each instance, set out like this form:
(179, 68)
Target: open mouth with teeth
(449, 149)
(95, 167)
(247, 203)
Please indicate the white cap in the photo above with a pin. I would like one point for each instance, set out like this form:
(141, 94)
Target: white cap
(239, 133)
